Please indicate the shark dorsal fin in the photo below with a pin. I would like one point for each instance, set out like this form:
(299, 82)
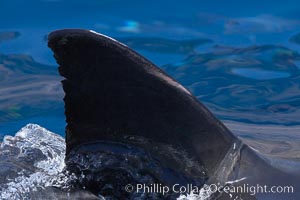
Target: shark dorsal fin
(112, 91)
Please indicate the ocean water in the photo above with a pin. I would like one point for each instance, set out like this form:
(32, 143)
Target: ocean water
(240, 58)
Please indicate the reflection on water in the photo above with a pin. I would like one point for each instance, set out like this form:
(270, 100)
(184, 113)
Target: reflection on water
(28, 90)
(260, 74)
(271, 140)
(162, 45)
(252, 84)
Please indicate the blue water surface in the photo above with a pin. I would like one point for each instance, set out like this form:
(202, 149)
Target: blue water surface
(260, 74)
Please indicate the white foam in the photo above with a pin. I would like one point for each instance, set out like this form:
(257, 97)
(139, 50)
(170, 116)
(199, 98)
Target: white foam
(48, 164)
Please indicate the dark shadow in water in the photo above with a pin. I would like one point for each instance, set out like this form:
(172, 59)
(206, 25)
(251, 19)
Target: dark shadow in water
(295, 39)
(9, 35)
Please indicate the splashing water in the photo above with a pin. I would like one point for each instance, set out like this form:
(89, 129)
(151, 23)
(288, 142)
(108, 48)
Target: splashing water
(32, 160)
(204, 194)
